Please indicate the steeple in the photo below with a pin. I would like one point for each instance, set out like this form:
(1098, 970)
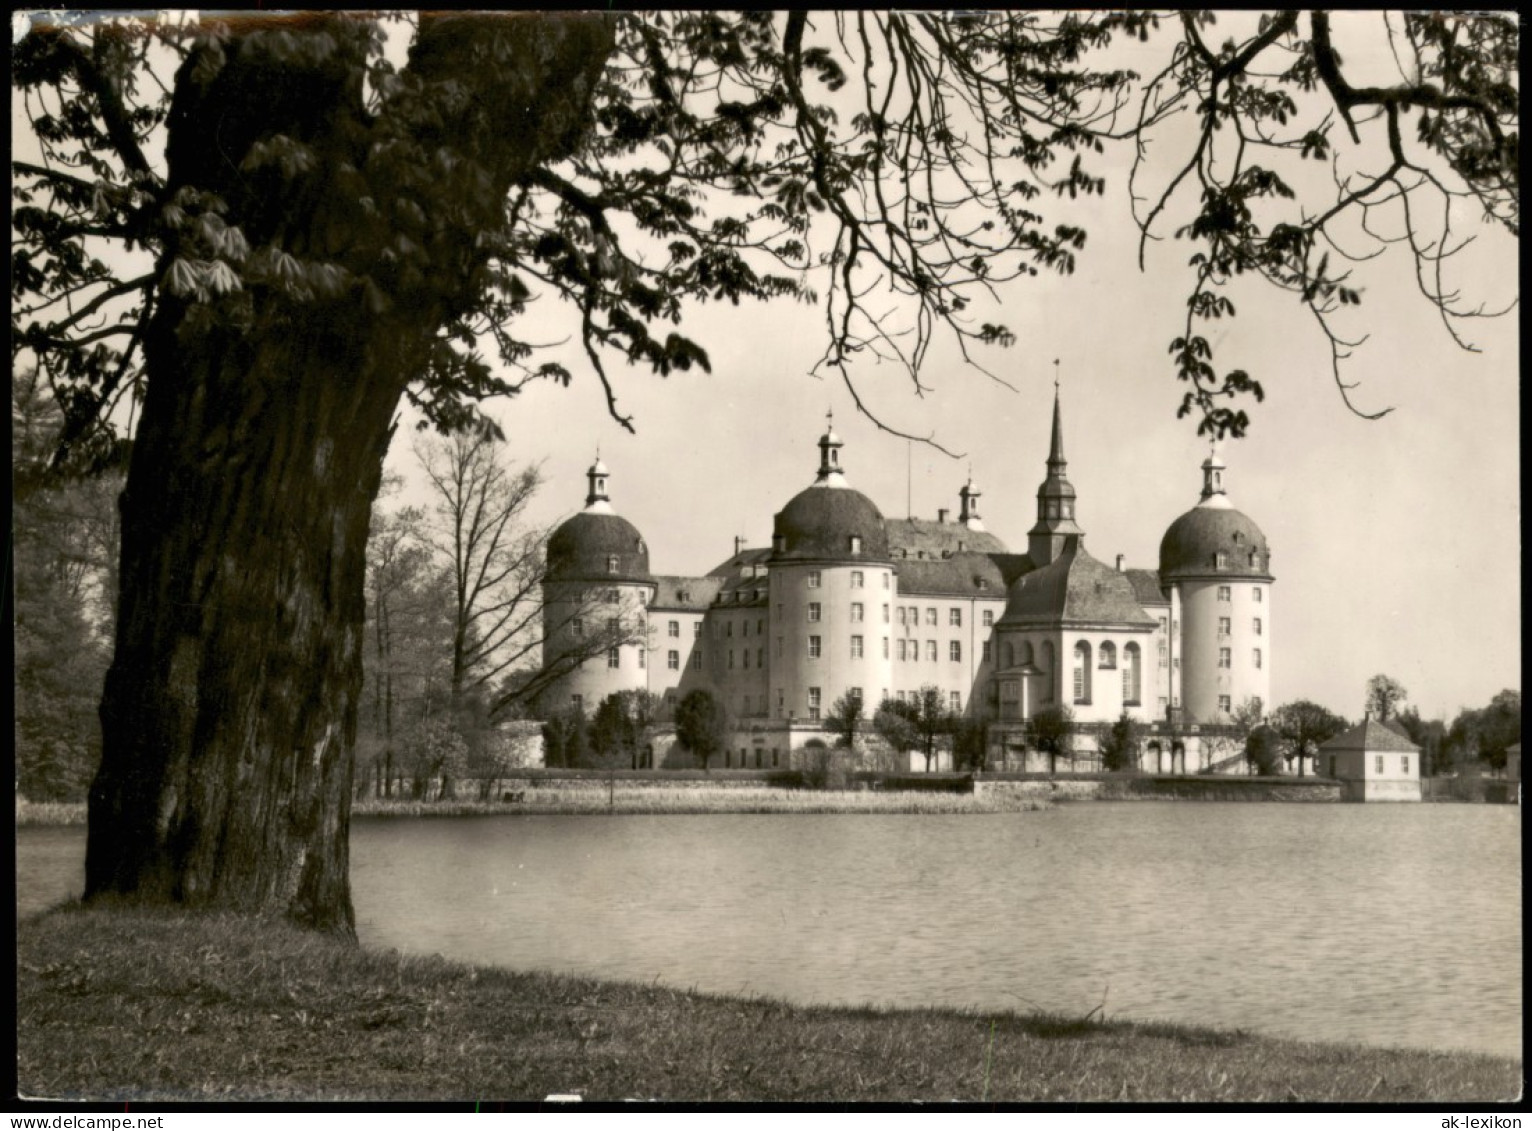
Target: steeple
(830, 471)
(1055, 498)
(596, 499)
(968, 496)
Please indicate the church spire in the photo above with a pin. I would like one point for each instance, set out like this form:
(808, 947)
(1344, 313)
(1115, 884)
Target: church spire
(1055, 498)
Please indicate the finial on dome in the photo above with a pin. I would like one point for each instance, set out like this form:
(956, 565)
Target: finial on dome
(968, 515)
(829, 456)
(597, 499)
(1212, 474)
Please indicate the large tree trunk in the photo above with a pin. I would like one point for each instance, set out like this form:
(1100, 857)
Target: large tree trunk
(230, 708)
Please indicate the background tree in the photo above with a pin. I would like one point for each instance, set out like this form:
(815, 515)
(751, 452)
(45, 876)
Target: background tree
(933, 720)
(565, 738)
(1303, 725)
(1385, 697)
(1429, 735)
(1263, 751)
(494, 561)
(702, 724)
(620, 729)
(1485, 733)
(1119, 746)
(845, 720)
(970, 744)
(1053, 730)
(895, 723)
(358, 228)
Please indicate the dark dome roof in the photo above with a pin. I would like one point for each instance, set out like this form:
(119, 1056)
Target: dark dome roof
(819, 523)
(1191, 545)
(580, 547)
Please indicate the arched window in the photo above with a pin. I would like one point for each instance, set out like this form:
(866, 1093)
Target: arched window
(1026, 651)
(1082, 672)
(1131, 689)
(1010, 654)
(1109, 655)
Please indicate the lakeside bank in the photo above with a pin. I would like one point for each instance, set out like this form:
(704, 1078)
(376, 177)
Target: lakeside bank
(122, 1003)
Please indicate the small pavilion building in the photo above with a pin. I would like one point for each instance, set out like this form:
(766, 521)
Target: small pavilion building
(1373, 762)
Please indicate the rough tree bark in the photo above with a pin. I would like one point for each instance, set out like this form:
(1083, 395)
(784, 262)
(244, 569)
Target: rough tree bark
(230, 708)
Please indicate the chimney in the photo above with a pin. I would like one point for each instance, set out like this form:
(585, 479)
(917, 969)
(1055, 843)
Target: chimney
(941, 515)
(1119, 562)
(739, 544)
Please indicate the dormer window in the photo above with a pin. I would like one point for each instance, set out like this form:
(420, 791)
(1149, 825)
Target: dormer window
(856, 543)
(1220, 560)
(638, 545)
(611, 563)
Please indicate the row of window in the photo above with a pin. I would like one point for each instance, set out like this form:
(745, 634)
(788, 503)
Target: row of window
(1226, 593)
(1226, 657)
(816, 699)
(858, 577)
(1225, 625)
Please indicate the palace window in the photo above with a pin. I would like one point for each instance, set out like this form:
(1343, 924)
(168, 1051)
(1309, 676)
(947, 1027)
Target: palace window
(1082, 672)
(745, 658)
(813, 579)
(885, 647)
(1164, 654)
(612, 596)
(856, 543)
(612, 658)
(986, 651)
(988, 618)
(1256, 624)
(931, 617)
(902, 645)
(1257, 657)
(1131, 677)
(885, 614)
(760, 657)
(1404, 763)
(696, 628)
(901, 614)
(577, 626)
(697, 660)
(1378, 763)
(1225, 658)
(814, 699)
(956, 701)
(1220, 560)
(613, 626)
(1223, 626)
(1224, 704)
(1255, 594)
(931, 651)
(858, 579)
(856, 647)
(728, 628)
(611, 563)
(673, 628)
(577, 702)
(814, 609)
(885, 581)
(1163, 625)
(856, 611)
(731, 658)
(955, 651)
(643, 656)
(673, 660)
(1109, 656)
(813, 647)
(955, 618)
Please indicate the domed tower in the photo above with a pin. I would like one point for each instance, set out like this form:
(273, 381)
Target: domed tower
(1216, 565)
(831, 578)
(596, 593)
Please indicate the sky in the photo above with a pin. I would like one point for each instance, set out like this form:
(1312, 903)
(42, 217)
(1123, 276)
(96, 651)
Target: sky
(1395, 542)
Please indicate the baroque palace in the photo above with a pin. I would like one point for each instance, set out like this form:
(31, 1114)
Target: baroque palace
(847, 601)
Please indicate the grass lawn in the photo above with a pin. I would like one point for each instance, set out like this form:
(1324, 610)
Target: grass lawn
(123, 1003)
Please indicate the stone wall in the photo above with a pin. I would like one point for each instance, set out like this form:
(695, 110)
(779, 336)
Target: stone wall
(1212, 788)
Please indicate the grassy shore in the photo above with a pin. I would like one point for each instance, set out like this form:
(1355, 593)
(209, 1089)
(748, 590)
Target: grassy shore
(551, 799)
(122, 1003)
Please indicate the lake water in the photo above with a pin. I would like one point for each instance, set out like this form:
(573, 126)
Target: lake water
(1389, 925)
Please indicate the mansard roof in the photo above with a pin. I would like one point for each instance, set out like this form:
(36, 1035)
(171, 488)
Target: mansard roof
(937, 539)
(683, 594)
(962, 574)
(1146, 586)
(1369, 735)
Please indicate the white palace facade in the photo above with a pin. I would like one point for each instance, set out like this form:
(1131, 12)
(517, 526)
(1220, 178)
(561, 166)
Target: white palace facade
(844, 601)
